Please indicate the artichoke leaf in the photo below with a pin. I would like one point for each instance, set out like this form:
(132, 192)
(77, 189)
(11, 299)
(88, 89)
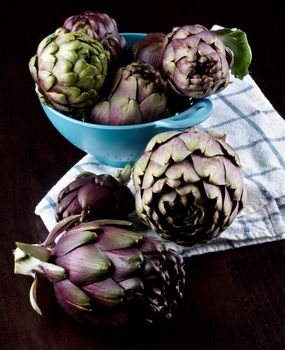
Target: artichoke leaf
(107, 293)
(70, 241)
(117, 238)
(86, 264)
(58, 229)
(236, 40)
(33, 296)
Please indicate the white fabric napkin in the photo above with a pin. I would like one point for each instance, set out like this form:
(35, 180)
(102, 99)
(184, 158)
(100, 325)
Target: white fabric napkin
(257, 132)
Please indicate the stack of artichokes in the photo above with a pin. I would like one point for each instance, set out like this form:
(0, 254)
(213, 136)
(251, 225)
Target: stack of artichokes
(188, 188)
(188, 184)
(79, 69)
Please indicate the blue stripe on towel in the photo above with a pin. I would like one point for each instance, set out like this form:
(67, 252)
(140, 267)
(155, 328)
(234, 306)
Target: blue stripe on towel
(255, 127)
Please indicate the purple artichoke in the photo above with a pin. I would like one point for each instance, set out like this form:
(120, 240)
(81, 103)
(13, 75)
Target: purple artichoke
(150, 49)
(105, 274)
(138, 95)
(95, 196)
(100, 27)
(195, 61)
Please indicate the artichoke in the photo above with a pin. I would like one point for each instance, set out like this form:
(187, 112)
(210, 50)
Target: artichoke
(198, 61)
(138, 95)
(104, 273)
(150, 49)
(95, 196)
(189, 186)
(69, 70)
(195, 61)
(100, 27)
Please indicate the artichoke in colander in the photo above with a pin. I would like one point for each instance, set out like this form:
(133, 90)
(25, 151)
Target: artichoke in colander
(138, 95)
(100, 27)
(104, 273)
(189, 185)
(69, 70)
(195, 61)
(198, 61)
(150, 49)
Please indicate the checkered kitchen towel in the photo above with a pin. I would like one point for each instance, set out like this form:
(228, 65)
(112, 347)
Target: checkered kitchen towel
(257, 133)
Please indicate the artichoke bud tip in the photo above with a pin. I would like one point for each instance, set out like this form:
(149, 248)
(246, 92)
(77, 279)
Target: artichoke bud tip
(84, 173)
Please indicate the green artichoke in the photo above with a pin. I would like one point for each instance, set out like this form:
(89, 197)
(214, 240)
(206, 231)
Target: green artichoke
(104, 273)
(189, 186)
(100, 27)
(138, 95)
(69, 70)
(95, 196)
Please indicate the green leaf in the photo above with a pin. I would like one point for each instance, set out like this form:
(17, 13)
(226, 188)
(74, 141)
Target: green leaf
(236, 40)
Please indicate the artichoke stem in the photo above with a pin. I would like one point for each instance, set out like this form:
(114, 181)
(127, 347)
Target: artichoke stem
(25, 264)
(124, 175)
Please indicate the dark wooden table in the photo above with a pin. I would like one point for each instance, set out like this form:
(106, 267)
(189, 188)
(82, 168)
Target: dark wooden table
(233, 300)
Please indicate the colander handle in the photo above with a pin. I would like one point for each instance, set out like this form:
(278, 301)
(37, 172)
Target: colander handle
(196, 114)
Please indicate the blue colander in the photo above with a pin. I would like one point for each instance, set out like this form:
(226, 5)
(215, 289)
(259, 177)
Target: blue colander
(118, 145)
